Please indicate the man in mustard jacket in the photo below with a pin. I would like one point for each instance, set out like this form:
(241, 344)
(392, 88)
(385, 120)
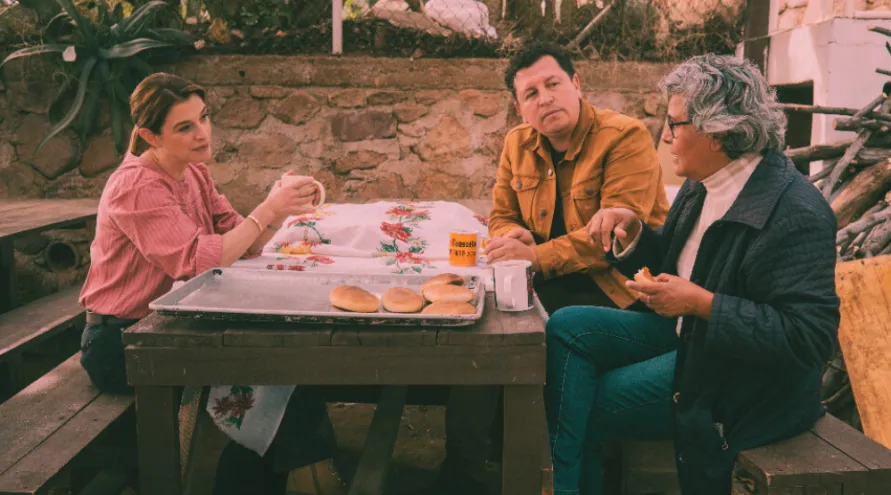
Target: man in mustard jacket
(566, 162)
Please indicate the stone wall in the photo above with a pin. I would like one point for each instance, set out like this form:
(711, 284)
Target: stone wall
(795, 13)
(365, 127)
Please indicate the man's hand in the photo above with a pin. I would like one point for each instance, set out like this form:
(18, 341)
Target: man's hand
(522, 235)
(505, 249)
(673, 296)
(619, 222)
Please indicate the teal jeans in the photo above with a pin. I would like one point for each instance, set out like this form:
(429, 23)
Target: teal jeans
(609, 377)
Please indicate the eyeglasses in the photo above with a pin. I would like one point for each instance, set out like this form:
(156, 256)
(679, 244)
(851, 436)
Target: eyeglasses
(672, 125)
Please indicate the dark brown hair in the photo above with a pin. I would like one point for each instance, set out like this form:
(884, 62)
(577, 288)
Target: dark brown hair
(152, 100)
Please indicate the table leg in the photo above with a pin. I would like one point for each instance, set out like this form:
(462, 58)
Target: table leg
(524, 440)
(158, 437)
(7, 275)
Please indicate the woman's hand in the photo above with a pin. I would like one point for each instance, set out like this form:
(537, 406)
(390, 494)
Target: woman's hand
(619, 222)
(295, 198)
(673, 296)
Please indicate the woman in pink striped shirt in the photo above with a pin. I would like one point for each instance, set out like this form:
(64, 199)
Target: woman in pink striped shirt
(161, 220)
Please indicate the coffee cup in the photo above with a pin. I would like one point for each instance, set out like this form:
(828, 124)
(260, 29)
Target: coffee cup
(288, 179)
(513, 285)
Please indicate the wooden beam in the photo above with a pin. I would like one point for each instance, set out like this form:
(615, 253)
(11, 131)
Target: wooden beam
(371, 473)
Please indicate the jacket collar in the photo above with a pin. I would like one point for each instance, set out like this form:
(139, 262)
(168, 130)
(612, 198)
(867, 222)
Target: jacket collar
(587, 118)
(762, 191)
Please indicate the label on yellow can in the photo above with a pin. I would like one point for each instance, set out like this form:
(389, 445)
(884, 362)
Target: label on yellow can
(463, 248)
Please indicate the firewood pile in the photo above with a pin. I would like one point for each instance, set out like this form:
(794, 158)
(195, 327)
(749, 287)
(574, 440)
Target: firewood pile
(856, 180)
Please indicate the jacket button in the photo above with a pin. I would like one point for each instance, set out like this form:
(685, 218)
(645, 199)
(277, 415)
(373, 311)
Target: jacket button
(589, 191)
(677, 396)
(519, 184)
(680, 458)
(543, 212)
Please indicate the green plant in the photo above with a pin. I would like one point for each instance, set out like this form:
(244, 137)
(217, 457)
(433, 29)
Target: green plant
(102, 59)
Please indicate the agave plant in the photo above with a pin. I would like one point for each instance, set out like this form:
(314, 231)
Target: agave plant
(104, 59)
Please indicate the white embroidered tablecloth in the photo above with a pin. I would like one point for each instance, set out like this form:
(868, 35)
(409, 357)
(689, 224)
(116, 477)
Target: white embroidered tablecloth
(383, 237)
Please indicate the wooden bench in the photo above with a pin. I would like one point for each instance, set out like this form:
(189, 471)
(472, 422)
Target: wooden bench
(831, 458)
(45, 426)
(24, 329)
(21, 217)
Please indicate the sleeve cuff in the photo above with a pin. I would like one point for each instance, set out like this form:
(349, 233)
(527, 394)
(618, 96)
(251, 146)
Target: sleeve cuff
(209, 253)
(621, 254)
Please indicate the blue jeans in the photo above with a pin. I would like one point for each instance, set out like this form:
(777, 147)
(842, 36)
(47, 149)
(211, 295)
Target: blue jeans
(609, 377)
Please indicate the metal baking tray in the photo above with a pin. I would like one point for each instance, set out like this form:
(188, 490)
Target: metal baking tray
(243, 294)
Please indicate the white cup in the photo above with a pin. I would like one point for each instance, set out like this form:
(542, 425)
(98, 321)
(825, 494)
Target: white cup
(513, 285)
(290, 179)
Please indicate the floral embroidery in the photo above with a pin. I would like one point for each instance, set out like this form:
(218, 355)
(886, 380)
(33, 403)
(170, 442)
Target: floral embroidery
(312, 260)
(230, 410)
(483, 220)
(405, 217)
(308, 222)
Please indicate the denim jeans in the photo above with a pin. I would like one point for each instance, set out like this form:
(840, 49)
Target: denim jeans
(609, 376)
(102, 356)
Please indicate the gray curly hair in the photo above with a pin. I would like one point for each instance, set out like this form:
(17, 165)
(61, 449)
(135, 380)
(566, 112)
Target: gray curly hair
(729, 99)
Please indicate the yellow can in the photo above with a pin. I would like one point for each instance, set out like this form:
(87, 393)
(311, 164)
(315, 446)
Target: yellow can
(463, 248)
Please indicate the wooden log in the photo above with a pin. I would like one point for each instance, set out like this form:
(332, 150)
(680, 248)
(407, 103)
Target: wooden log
(867, 187)
(882, 116)
(878, 239)
(880, 30)
(851, 124)
(869, 156)
(845, 234)
(817, 152)
(861, 139)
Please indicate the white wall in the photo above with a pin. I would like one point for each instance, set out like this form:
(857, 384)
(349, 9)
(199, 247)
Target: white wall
(840, 57)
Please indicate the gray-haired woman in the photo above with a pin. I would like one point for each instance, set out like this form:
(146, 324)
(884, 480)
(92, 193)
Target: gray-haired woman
(744, 308)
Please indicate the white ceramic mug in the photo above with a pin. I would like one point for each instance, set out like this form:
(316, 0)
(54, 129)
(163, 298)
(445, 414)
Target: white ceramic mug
(513, 285)
(289, 179)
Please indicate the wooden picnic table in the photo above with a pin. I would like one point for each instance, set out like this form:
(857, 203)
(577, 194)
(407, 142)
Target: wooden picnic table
(508, 349)
(19, 217)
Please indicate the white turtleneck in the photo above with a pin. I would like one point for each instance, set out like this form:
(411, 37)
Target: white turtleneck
(722, 189)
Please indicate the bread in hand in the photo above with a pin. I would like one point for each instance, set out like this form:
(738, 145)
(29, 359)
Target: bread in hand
(447, 293)
(402, 300)
(355, 299)
(449, 308)
(644, 275)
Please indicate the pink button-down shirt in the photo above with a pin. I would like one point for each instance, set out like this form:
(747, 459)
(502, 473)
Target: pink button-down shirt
(151, 230)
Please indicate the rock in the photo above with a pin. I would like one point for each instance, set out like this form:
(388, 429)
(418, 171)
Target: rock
(99, 155)
(408, 112)
(414, 129)
(348, 98)
(270, 92)
(610, 100)
(266, 150)
(482, 104)
(18, 23)
(7, 154)
(360, 160)
(430, 96)
(296, 109)
(372, 124)
(31, 244)
(448, 139)
(4, 107)
(653, 104)
(21, 181)
(386, 97)
(56, 157)
(240, 113)
(387, 186)
(434, 185)
(34, 96)
(654, 125)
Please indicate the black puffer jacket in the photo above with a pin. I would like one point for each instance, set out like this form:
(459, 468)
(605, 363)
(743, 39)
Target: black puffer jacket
(750, 375)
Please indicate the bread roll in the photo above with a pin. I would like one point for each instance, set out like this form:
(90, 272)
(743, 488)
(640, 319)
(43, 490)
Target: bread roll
(352, 298)
(449, 308)
(644, 275)
(447, 293)
(402, 300)
(444, 279)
